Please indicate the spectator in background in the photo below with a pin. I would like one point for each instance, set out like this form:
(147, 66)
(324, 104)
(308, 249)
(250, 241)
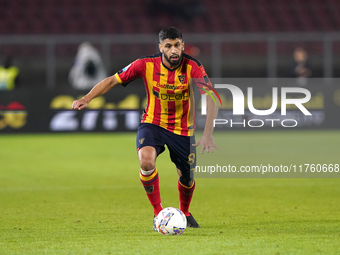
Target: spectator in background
(8, 75)
(88, 68)
(300, 68)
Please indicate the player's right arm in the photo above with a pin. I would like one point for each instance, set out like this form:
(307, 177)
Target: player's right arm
(98, 90)
(124, 76)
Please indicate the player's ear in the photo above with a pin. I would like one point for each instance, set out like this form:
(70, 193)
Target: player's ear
(160, 48)
(183, 44)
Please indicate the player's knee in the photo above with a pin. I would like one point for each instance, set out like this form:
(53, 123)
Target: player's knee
(187, 181)
(147, 164)
(147, 158)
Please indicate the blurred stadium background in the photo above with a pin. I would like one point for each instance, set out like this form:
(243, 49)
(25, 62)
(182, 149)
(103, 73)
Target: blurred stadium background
(232, 38)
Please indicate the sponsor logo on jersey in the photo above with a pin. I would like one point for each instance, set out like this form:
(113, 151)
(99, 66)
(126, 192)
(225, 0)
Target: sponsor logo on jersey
(169, 86)
(171, 97)
(124, 69)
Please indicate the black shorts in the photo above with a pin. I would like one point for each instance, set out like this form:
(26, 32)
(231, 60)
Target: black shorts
(182, 153)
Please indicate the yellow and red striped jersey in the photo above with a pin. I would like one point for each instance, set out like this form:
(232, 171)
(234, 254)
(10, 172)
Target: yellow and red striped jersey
(170, 99)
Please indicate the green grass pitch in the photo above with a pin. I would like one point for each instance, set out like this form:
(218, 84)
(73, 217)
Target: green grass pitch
(81, 194)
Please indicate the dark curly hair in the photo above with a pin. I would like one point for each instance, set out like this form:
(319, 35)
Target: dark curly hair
(169, 33)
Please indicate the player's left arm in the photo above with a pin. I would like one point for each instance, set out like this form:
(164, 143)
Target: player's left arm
(207, 140)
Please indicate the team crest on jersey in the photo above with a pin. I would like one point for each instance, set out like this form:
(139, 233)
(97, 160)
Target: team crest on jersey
(181, 78)
(141, 141)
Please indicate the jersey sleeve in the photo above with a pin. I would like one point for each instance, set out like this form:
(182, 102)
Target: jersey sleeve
(201, 79)
(131, 72)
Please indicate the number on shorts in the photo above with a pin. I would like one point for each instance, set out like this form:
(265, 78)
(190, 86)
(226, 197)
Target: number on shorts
(191, 158)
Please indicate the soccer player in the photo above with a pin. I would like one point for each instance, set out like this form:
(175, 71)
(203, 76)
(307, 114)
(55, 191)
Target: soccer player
(168, 116)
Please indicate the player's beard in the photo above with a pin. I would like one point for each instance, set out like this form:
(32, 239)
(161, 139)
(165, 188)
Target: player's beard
(174, 63)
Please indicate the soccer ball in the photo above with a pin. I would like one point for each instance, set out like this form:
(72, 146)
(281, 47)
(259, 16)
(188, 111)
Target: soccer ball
(171, 221)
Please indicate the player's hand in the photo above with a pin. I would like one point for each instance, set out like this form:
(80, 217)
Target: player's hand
(207, 143)
(79, 104)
